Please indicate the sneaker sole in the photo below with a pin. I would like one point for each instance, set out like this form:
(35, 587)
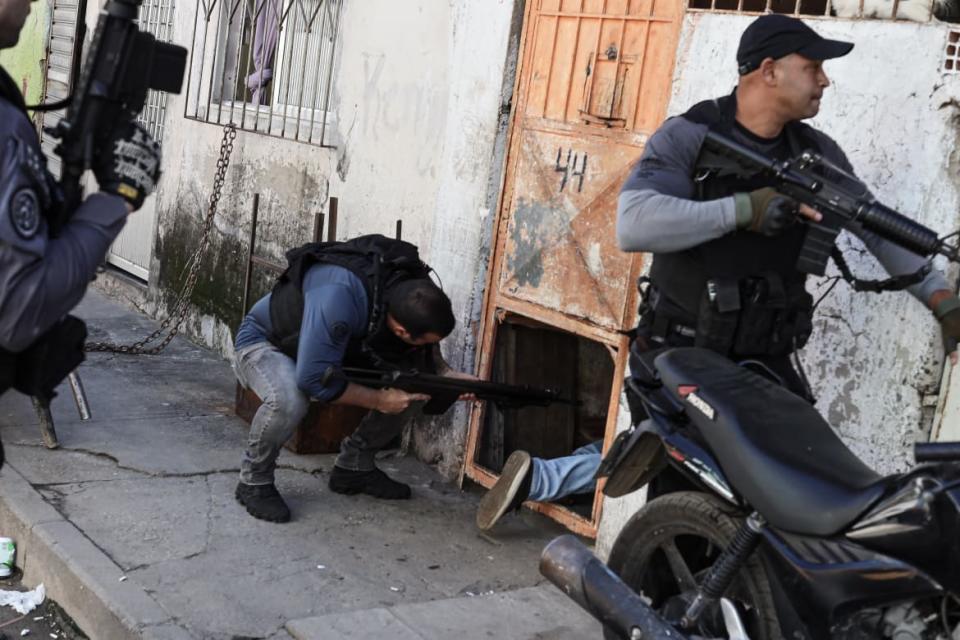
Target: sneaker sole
(495, 503)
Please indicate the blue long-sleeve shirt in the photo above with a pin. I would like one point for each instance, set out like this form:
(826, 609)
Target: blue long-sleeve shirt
(334, 312)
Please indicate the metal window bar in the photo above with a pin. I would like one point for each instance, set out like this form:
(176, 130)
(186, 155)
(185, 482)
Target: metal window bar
(295, 101)
(951, 62)
(156, 17)
(855, 9)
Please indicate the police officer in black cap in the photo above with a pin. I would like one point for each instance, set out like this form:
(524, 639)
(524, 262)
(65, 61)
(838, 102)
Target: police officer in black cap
(734, 242)
(42, 277)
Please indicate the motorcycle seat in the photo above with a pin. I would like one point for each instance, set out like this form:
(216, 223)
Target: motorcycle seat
(773, 446)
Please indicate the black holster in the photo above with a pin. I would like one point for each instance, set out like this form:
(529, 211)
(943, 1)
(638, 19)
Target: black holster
(50, 359)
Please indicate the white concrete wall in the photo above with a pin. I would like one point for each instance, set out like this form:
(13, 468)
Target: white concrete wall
(874, 361)
(417, 95)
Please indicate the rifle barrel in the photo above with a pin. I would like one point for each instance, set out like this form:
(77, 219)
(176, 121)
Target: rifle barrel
(426, 382)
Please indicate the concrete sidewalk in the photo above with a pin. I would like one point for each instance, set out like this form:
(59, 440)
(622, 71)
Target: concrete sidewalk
(133, 527)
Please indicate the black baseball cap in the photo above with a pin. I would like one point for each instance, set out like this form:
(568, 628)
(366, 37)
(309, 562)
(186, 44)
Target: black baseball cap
(776, 35)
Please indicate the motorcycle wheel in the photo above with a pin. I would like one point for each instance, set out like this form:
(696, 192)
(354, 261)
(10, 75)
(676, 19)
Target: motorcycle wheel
(668, 547)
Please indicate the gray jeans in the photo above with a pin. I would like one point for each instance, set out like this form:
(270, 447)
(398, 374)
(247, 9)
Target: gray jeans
(272, 375)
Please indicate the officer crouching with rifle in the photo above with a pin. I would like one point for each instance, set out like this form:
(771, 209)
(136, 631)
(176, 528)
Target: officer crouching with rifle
(368, 302)
(52, 242)
(730, 255)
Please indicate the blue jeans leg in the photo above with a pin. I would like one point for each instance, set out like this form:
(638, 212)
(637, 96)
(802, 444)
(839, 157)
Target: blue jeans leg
(555, 478)
(273, 377)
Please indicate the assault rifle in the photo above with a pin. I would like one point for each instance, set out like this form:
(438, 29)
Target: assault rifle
(122, 64)
(444, 390)
(816, 182)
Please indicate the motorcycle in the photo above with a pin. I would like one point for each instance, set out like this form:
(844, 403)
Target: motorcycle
(761, 524)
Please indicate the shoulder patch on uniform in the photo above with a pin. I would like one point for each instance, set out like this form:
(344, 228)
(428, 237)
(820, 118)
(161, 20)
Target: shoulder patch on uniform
(340, 332)
(25, 212)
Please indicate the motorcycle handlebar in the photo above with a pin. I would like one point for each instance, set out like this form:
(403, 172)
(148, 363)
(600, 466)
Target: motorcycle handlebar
(936, 452)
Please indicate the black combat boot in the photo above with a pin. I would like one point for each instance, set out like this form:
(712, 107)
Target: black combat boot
(373, 483)
(509, 492)
(263, 501)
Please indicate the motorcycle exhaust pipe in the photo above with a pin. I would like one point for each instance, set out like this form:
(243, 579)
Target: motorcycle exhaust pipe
(568, 564)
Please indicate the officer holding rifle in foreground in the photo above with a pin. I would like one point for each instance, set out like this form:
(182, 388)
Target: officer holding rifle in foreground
(46, 265)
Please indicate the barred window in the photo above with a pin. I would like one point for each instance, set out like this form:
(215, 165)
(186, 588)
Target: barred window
(265, 65)
(912, 10)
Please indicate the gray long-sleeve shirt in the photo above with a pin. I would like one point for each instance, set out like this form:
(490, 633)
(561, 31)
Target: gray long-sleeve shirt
(42, 278)
(656, 212)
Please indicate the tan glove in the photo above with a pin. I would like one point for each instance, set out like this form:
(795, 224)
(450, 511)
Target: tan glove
(765, 211)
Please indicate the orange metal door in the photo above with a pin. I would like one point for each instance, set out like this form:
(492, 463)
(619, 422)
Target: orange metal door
(593, 84)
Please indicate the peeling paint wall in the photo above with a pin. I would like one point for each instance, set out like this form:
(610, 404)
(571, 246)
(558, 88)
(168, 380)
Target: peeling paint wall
(26, 61)
(418, 97)
(874, 361)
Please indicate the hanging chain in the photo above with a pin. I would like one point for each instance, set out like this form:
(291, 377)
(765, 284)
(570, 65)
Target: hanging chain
(183, 300)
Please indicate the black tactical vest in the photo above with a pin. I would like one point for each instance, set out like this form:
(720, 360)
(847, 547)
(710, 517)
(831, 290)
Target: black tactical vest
(749, 264)
(380, 263)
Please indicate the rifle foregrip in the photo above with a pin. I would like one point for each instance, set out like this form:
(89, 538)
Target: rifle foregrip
(900, 229)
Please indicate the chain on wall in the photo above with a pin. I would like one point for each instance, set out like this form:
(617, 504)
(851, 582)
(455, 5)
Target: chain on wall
(193, 264)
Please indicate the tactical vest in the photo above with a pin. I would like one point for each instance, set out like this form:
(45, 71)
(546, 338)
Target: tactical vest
(741, 293)
(380, 263)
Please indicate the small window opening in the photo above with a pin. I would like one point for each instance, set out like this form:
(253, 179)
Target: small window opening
(951, 62)
(529, 353)
(909, 10)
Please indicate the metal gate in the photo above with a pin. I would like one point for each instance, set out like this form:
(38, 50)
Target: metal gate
(594, 83)
(132, 249)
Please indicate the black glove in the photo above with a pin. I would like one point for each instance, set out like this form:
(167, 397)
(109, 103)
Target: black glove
(129, 165)
(765, 211)
(948, 313)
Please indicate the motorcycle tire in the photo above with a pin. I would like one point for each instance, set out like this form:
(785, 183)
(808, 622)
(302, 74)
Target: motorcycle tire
(694, 527)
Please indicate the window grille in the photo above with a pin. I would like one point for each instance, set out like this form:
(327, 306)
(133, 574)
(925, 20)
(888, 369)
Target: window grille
(156, 17)
(265, 65)
(912, 10)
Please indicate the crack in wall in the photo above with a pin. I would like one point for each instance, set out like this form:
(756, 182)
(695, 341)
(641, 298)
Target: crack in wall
(843, 320)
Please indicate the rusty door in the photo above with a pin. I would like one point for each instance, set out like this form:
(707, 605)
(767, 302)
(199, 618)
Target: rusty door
(593, 84)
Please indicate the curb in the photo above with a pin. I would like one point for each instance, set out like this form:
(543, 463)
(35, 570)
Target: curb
(76, 573)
